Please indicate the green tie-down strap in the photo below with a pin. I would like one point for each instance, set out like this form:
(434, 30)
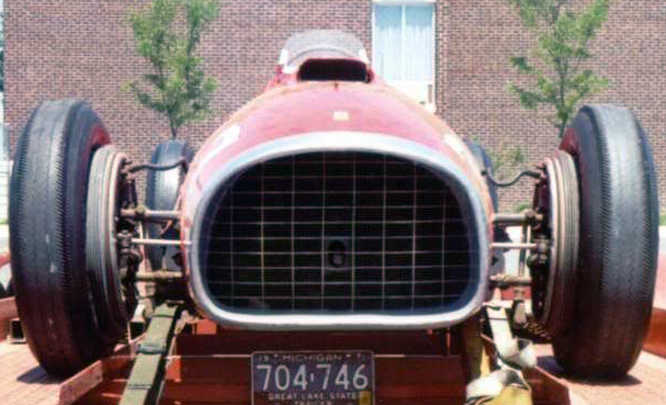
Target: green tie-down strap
(505, 386)
(145, 381)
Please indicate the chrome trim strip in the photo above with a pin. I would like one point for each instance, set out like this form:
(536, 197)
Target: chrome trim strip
(345, 141)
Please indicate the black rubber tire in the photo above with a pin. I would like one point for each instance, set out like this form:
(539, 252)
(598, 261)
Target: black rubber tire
(484, 161)
(47, 208)
(162, 191)
(619, 219)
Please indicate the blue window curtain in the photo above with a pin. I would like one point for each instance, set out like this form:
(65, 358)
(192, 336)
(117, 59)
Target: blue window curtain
(388, 42)
(403, 42)
(419, 43)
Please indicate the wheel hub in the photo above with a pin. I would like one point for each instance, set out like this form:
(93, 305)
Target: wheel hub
(553, 285)
(114, 296)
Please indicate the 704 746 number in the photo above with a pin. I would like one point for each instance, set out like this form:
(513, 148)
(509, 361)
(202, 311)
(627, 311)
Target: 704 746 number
(324, 377)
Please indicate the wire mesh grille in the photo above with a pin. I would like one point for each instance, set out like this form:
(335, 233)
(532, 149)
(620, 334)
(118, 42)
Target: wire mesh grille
(336, 231)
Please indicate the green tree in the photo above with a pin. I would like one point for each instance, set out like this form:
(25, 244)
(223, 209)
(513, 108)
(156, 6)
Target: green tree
(167, 34)
(507, 160)
(557, 63)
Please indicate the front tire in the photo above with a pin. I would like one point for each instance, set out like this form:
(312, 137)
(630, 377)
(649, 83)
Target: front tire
(48, 235)
(619, 220)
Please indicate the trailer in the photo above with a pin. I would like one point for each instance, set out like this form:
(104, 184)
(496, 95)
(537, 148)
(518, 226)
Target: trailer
(179, 360)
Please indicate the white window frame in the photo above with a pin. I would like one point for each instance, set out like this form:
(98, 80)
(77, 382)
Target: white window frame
(402, 83)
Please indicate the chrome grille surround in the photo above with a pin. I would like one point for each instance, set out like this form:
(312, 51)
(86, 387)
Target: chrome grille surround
(472, 211)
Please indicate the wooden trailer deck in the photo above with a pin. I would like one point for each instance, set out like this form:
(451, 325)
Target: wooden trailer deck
(206, 379)
(207, 368)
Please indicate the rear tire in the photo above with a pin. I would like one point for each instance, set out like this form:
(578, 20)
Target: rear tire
(48, 235)
(619, 219)
(500, 235)
(162, 192)
(484, 161)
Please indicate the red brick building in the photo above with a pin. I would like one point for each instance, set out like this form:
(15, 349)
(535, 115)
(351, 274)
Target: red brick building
(84, 48)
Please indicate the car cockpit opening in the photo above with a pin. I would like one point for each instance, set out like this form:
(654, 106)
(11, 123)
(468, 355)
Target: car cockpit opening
(348, 70)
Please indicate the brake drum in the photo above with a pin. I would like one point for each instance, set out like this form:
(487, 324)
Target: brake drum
(553, 287)
(113, 301)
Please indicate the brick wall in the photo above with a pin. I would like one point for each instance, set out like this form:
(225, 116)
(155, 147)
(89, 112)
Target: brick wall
(83, 48)
(483, 34)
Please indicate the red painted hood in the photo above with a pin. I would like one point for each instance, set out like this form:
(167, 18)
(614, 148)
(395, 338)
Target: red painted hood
(307, 107)
(316, 116)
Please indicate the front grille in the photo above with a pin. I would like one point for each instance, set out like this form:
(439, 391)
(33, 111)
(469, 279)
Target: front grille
(336, 231)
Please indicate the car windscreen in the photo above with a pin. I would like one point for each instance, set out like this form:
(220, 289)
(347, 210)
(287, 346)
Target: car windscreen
(320, 44)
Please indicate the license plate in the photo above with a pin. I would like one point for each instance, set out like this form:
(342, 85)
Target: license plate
(313, 378)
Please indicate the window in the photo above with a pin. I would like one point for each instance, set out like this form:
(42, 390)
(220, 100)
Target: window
(404, 47)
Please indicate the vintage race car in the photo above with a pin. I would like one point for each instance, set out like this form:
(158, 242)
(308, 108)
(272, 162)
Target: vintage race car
(331, 202)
